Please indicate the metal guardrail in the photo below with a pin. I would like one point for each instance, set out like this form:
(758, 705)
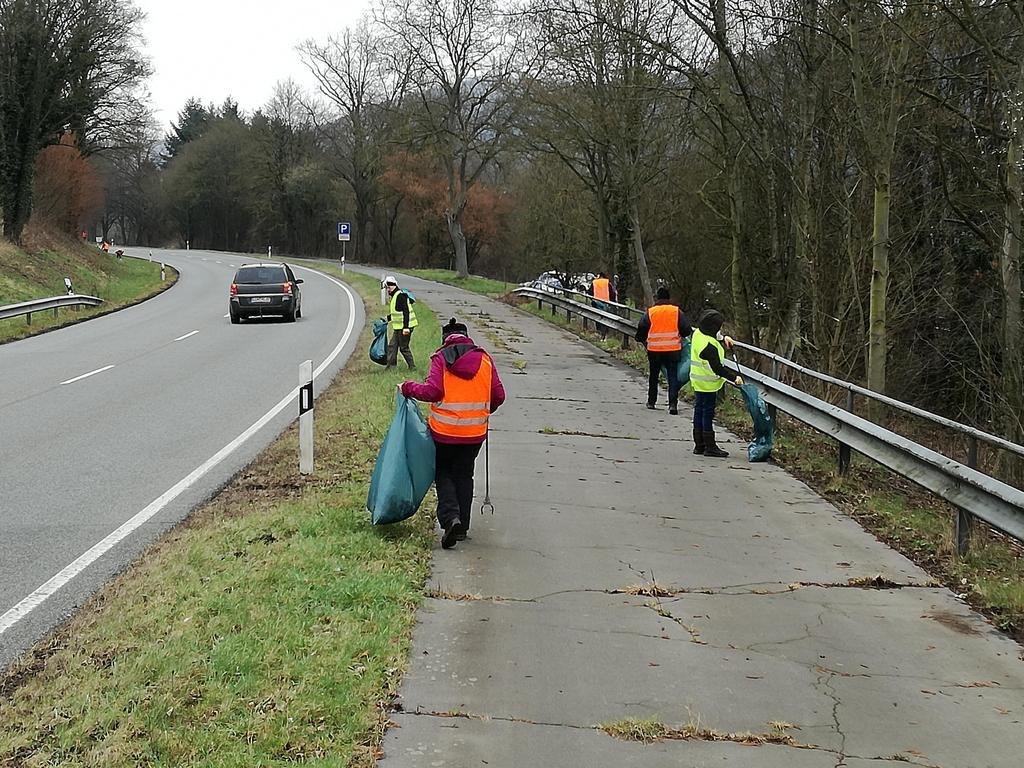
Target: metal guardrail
(27, 308)
(972, 492)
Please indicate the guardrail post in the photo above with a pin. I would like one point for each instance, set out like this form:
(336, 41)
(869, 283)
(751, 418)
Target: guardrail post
(964, 520)
(845, 457)
(625, 341)
(28, 319)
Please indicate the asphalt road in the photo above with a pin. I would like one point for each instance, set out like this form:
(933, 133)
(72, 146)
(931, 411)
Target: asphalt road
(112, 430)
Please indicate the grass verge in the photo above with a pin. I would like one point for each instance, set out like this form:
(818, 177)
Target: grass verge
(33, 274)
(474, 283)
(272, 627)
(990, 577)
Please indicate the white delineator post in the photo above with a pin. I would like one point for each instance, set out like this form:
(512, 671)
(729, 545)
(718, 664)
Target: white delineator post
(306, 417)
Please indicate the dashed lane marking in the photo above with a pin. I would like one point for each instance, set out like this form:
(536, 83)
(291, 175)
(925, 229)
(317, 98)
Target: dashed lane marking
(87, 375)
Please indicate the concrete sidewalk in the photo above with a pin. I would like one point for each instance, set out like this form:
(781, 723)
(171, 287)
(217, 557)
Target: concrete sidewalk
(535, 635)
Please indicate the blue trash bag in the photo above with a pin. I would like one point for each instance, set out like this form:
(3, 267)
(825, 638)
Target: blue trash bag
(405, 466)
(760, 447)
(683, 372)
(379, 345)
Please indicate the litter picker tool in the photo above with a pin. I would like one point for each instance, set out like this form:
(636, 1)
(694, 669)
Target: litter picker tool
(487, 477)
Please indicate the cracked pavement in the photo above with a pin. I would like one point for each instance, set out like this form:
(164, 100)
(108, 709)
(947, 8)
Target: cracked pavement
(532, 639)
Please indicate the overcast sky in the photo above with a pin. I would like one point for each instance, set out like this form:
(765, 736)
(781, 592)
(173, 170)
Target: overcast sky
(212, 49)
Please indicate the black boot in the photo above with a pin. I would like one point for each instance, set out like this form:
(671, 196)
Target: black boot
(698, 441)
(673, 408)
(711, 447)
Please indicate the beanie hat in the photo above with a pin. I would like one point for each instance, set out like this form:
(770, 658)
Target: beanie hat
(454, 326)
(662, 294)
(710, 322)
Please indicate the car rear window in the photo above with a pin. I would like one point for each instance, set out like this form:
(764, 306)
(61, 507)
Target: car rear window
(258, 275)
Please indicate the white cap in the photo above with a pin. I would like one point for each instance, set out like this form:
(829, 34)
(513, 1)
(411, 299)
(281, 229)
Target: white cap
(390, 280)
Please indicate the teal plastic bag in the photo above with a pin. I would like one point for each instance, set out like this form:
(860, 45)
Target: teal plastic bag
(760, 447)
(379, 345)
(405, 466)
(683, 372)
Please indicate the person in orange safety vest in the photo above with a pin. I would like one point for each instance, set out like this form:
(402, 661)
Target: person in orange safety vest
(602, 288)
(662, 329)
(463, 389)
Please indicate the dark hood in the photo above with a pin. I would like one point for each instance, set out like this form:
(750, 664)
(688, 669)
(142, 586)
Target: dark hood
(462, 357)
(711, 322)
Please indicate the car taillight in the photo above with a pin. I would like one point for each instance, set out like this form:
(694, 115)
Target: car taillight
(234, 289)
(287, 287)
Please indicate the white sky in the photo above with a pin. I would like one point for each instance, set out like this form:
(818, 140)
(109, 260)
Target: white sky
(212, 49)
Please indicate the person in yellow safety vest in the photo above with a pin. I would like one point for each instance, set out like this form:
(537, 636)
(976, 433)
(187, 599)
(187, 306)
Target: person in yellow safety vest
(708, 374)
(662, 330)
(402, 317)
(464, 389)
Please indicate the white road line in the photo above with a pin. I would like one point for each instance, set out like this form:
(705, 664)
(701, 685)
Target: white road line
(40, 595)
(220, 262)
(193, 333)
(87, 375)
(228, 315)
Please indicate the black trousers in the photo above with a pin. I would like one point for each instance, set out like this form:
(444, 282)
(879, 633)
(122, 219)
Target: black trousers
(453, 479)
(400, 343)
(670, 362)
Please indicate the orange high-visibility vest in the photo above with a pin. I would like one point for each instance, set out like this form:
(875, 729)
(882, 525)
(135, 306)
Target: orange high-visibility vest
(466, 407)
(664, 335)
(602, 289)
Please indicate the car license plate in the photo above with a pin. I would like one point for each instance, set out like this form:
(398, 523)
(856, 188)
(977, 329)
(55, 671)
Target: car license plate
(259, 300)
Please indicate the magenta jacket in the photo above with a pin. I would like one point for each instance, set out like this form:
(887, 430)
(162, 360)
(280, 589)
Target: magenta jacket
(462, 357)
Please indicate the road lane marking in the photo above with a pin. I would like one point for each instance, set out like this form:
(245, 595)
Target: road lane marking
(180, 338)
(94, 553)
(228, 315)
(87, 375)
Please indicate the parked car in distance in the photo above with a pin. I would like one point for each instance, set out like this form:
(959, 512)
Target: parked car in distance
(265, 289)
(559, 282)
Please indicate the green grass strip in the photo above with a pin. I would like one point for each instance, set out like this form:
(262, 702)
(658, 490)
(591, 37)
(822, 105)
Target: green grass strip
(25, 276)
(473, 283)
(271, 628)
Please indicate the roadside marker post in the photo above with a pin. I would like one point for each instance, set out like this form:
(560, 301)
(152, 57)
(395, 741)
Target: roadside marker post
(163, 275)
(306, 417)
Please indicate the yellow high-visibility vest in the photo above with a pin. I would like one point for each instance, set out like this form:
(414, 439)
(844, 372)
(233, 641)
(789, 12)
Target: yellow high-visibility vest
(702, 378)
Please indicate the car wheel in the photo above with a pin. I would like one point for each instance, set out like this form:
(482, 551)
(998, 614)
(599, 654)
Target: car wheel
(290, 316)
(235, 319)
(298, 311)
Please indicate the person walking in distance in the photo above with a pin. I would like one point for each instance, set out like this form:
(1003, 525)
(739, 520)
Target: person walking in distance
(463, 389)
(708, 374)
(402, 317)
(602, 288)
(662, 330)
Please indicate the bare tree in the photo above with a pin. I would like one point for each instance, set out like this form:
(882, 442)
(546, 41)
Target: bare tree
(466, 63)
(363, 87)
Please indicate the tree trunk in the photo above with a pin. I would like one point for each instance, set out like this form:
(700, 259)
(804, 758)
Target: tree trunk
(877, 339)
(638, 251)
(459, 242)
(741, 316)
(16, 201)
(1009, 268)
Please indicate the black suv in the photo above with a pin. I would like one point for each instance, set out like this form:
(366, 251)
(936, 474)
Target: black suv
(265, 289)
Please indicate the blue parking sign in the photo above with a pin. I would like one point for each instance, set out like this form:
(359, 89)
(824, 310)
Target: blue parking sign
(344, 231)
